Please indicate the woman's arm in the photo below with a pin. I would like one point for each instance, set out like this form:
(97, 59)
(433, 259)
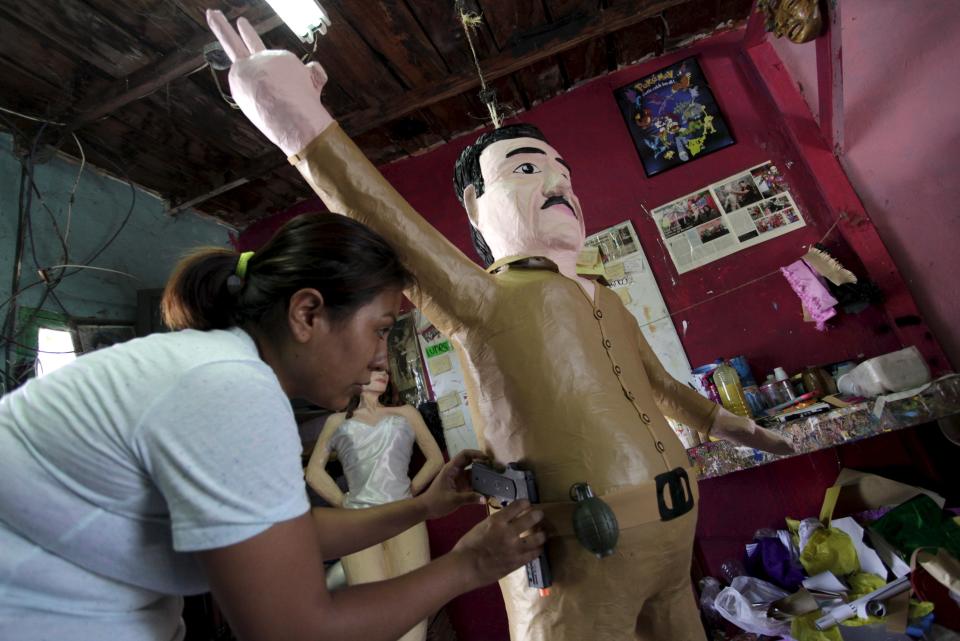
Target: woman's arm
(316, 472)
(428, 445)
(272, 586)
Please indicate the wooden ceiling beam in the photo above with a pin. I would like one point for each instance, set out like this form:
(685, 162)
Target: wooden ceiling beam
(549, 40)
(118, 93)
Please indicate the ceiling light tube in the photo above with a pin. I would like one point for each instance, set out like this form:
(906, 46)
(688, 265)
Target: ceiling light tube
(304, 17)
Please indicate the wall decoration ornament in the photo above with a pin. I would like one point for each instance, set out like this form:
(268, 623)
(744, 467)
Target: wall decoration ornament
(799, 20)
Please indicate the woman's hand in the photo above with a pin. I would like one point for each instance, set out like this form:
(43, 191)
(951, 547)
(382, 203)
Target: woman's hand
(501, 543)
(451, 487)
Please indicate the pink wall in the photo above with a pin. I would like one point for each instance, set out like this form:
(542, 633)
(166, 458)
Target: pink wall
(901, 88)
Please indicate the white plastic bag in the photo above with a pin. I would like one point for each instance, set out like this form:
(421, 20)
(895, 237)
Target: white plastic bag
(745, 604)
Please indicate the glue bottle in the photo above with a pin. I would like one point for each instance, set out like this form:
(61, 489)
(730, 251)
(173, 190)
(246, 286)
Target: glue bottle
(731, 393)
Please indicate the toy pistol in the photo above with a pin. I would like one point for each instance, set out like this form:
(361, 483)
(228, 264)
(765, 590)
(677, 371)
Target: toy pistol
(508, 486)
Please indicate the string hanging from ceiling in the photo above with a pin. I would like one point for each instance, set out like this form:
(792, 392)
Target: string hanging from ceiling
(488, 95)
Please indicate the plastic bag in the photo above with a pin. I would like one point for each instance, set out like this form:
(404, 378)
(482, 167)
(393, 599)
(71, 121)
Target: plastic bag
(771, 560)
(745, 604)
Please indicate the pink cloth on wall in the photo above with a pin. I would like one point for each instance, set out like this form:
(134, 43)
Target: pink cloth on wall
(813, 294)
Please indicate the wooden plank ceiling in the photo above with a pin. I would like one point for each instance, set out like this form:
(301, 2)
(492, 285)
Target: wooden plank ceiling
(128, 78)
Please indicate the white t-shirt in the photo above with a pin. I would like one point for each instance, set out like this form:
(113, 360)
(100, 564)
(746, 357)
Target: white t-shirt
(115, 469)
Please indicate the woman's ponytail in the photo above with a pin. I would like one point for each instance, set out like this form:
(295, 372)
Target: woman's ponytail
(197, 296)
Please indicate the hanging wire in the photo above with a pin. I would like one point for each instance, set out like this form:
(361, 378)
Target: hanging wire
(313, 53)
(99, 269)
(488, 95)
(738, 287)
(73, 190)
(33, 118)
(227, 98)
(28, 189)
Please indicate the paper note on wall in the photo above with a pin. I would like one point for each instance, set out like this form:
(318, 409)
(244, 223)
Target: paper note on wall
(440, 364)
(453, 419)
(615, 271)
(448, 401)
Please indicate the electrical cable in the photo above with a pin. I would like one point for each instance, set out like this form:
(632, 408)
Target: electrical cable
(738, 287)
(34, 118)
(73, 191)
(100, 269)
(28, 188)
(52, 284)
(226, 97)
(123, 224)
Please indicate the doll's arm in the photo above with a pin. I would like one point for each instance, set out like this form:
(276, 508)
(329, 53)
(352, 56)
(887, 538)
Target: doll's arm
(282, 97)
(745, 431)
(316, 473)
(676, 400)
(451, 289)
(680, 402)
(428, 445)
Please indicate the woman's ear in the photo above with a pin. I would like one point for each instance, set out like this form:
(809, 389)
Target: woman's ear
(305, 314)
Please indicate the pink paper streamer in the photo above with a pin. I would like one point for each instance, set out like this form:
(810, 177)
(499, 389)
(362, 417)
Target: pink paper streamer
(815, 297)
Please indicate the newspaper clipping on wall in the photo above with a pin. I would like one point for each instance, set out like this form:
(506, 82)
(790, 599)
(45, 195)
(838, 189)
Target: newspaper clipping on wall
(737, 212)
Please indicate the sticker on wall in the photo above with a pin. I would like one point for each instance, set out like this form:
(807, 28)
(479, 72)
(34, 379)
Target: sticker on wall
(672, 117)
(737, 212)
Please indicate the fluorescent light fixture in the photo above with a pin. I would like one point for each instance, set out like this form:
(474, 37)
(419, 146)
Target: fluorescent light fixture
(304, 17)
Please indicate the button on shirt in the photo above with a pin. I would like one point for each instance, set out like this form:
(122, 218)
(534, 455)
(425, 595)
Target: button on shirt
(563, 383)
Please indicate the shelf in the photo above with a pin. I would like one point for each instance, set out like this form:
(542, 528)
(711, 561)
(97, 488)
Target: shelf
(830, 429)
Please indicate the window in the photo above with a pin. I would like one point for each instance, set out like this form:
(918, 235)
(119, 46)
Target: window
(55, 349)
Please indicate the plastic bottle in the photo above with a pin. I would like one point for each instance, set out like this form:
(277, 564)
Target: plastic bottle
(731, 569)
(709, 589)
(731, 393)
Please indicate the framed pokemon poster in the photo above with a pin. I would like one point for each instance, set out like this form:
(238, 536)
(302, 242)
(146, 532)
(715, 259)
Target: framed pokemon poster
(673, 117)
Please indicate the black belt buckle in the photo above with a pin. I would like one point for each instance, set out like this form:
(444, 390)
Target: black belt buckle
(680, 495)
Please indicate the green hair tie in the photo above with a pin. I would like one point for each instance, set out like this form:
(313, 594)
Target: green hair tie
(242, 264)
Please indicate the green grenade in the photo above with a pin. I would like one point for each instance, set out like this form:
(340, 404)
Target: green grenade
(594, 523)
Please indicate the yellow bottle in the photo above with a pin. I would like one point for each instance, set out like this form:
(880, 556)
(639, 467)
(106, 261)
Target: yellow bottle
(731, 393)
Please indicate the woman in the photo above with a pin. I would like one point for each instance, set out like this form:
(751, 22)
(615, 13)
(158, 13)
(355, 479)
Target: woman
(169, 465)
(374, 443)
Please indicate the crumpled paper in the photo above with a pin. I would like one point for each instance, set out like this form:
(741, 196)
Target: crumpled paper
(802, 628)
(829, 550)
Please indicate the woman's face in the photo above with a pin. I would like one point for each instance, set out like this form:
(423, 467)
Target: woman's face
(378, 382)
(343, 357)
